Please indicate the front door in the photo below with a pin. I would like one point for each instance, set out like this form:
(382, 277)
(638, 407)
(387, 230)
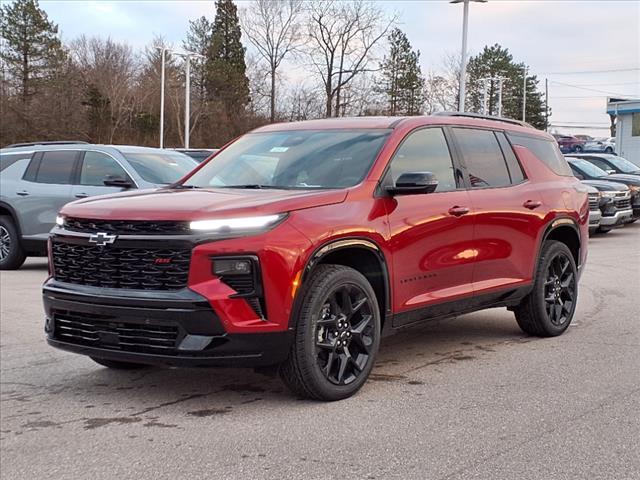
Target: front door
(430, 234)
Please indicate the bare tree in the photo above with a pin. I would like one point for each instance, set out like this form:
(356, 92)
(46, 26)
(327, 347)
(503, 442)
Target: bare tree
(442, 88)
(342, 36)
(272, 27)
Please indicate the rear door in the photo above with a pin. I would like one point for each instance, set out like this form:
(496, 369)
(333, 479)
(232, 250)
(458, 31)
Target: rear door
(508, 210)
(44, 189)
(95, 167)
(431, 234)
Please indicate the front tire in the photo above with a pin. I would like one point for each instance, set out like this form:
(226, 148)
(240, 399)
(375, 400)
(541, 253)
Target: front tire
(11, 254)
(116, 365)
(337, 335)
(548, 310)
(578, 149)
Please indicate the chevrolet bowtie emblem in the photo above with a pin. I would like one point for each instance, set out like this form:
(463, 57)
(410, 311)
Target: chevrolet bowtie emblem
(101, 239)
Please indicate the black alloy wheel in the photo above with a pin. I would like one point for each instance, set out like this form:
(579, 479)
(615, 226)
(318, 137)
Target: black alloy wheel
(548, 309)
(560, 290)
(344, 334)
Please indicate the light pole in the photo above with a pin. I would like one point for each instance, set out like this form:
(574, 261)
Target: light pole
(187, 93)
(463, 60)
(524, 96)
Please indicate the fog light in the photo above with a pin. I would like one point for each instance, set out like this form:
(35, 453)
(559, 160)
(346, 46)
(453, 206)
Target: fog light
(222, 267)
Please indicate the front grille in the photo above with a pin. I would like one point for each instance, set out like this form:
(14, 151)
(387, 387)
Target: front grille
(121, 267)
(127, 227)
(243, 284)
(105, 332)
(594, 202)
(623, 204)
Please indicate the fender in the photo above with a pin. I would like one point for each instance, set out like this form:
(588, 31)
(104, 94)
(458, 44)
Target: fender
(14, 216)
(331, 246)
(553, 225)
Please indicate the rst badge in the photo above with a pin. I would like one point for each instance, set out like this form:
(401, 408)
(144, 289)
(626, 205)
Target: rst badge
(101, 239)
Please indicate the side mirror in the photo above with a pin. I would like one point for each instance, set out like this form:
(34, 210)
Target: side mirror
(117, 181)
(411, 183)
(611, 171)
(579, 177)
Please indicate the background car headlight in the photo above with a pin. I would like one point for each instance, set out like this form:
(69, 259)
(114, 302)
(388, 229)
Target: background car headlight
(249, 224)
(60, 221)
(609, 194)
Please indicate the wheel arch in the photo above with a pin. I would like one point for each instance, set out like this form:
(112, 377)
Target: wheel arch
(7, 210)
(361, 254)
(564, 230)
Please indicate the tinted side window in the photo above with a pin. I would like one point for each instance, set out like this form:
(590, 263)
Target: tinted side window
(97, 166)
(515, 169)
(425, 150)
(483, 157)
(56, 167)
(546, 150)
(8, 159)
(600, 163)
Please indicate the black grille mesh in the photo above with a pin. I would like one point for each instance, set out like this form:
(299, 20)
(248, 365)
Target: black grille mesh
(127, 227)
(121, 267)
(623, 204)
(105, 332)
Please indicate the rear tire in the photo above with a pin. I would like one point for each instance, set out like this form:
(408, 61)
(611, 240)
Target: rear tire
(117, 365)
(337, 335)
(608, 150)
(578, 149)
(548, 310)
(12, 255)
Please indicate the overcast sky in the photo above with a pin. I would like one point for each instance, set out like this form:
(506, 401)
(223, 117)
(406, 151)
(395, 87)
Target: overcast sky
(592, 45)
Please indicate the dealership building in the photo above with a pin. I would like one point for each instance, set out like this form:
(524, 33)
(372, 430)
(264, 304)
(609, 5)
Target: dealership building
(627, 112)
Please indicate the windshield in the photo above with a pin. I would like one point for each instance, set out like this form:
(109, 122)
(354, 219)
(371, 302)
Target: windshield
(589, 168)
(624, 165)
(160, 167)
(293, 159)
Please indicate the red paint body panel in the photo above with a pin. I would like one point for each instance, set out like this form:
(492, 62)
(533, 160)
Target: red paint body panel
(432, 256)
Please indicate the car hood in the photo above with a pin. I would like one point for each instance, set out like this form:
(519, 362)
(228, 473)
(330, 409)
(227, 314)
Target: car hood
(196, 204)
(606, 185)
(625, 178)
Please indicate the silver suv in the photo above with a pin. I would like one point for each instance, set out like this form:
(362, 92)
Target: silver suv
(37, 179)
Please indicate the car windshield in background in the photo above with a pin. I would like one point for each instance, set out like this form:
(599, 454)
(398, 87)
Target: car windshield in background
(589, 168)
(295, 159)
(624, 165)
(160, 167)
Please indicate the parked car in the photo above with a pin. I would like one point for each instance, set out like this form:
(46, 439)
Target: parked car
(605, 145)
(609, 163)
(584, 138)
(198, 154)
(298, 244)
(585, 170)
(595, 214)
(614, 204)
(38, 179)
(569, 143)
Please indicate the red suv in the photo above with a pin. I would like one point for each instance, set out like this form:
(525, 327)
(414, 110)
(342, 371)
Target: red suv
(298, 245)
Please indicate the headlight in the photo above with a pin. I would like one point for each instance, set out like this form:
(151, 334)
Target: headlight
(60, 221)
(608, 194)
(249, 224)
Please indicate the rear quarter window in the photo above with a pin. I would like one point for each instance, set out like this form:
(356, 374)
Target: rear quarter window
(8, 159)
(546, 150)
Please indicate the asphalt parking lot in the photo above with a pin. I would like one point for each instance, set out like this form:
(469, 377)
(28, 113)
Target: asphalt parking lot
(466, 398)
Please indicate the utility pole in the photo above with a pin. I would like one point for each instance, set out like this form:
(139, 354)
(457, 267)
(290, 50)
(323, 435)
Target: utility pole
(163, 50)
(546, 104)
(485, 88)
(187, 99)
(524, 96)
(500, 79)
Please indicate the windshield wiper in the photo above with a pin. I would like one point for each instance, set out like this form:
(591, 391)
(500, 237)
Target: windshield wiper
(183, 187)
(252, 186)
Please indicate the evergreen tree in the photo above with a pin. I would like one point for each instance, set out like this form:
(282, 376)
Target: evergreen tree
(30, 46)
(227, 81)
(402, 80)
(494, 62)
(198, 41)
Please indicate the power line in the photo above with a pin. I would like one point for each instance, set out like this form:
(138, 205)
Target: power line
(590, 89)
(584, 72)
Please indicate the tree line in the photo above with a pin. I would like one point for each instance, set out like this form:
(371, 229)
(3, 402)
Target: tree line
(355, 59)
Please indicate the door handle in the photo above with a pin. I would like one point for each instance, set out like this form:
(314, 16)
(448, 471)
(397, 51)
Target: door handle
(458, 211)
(81, 195)
(531, 204)
(22, 193)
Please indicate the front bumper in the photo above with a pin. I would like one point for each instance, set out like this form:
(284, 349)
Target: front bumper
(618, 218)
(169, 328)
(594, 219)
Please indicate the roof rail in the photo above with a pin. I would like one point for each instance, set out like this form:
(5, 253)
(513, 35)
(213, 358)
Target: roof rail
(59, 142)
(483, 117)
